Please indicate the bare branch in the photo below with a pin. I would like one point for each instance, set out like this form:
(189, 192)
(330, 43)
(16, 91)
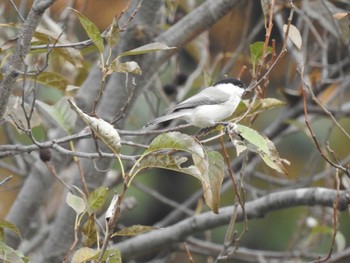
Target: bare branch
(257, 208)
(22, 48)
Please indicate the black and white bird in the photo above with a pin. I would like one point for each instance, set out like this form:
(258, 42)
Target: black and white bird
(209, 107)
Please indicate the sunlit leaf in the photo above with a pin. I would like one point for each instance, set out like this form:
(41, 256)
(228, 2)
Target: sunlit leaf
(14, 113)
(91, 30)
(152, 47)
(76, 202)
(60, 113)
(97, 198)
(294, 35)
(84, 254)
(102, 129)
(134, 230)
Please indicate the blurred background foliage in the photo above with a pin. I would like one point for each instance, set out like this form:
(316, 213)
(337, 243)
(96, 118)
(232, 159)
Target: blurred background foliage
(210, 52)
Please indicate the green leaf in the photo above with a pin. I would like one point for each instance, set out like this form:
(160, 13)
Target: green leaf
(60, 113)
(256, 52)
(89, 233)
(113, 256)
(8, 254)
(84, 254)
(102, 129)
(259, 105)
(165, 143)
(208, 166)
(152, 47)
(170, 162)
(50, 79)
(253, 137)
(215, 176)
(76, 202)
(6, 224)
(134, 230)
(261, 145)
(73, 56)
(97, 198)
(265, 104)
(46, 37)
(127, 67)
(176, 141)
(91, 30)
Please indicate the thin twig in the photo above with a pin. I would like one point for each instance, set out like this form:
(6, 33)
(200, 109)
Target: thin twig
(335, 221)
(280, 55)
(122, 112)
(17, 11)
(188, 253)
(111, 223)
(230, 233)
(5, 180)
(52, 170)
(313, 136)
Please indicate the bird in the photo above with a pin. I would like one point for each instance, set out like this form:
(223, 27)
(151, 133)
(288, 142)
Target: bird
(209, 107)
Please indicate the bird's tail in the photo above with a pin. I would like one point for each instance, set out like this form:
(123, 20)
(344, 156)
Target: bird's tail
(170, 116)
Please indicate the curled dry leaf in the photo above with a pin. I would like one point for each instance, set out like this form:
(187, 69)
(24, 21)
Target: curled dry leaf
(294, 35)
(102, 129)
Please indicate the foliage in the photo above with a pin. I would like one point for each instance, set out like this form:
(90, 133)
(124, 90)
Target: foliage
(240, 156)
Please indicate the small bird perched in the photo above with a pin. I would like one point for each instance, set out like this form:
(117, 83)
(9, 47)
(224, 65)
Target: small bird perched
(208, 107)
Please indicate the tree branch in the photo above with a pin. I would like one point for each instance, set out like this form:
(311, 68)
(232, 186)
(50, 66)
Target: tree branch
(257, 208)
(22, 48)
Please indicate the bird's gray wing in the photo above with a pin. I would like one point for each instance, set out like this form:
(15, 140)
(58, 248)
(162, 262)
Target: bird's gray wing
(209, 96)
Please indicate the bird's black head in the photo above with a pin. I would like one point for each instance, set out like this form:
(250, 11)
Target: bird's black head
(233, 81)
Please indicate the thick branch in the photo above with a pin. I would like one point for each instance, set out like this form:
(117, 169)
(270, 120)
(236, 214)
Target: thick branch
(258, 208)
